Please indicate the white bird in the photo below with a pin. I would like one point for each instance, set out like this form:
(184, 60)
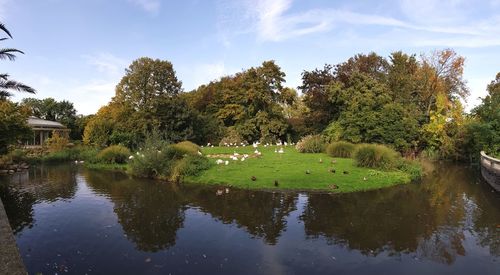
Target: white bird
(81, 161)
(219, 161)
(281, 151)
(226, 162)
(131, 157)
(199, 153)
(259, 153)
(245, 155)
(234, 158)
(212, 146)
(275, 150)
(256, 151)
(208, 144)
(243, 159)
(76, 161)
(254, 145)
(286, 143)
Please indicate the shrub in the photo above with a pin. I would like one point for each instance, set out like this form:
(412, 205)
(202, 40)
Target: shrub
(189, 166)
(311, 144)
(17, 155)
(62, 155)
(153, 160)
(377, 156)
(187, 147)
(56, 142)
(114, 154)
(413, 168)
(341, 149)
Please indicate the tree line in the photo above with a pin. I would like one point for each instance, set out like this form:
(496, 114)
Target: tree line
(411, 103)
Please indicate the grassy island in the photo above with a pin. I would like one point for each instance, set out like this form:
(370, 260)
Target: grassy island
(292, 170)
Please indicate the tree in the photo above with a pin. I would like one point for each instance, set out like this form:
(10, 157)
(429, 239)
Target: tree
(250, 102)
(6, 84)
(13, 124)
(484, 129)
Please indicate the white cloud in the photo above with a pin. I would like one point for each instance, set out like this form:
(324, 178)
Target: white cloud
(107, 63)
(151, 6)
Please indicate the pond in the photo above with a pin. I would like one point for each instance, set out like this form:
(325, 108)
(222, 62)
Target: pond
(70, 219)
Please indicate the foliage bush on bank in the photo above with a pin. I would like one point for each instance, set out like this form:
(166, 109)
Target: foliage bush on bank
(157, 159)
(341, 149)
(311, 144)
(377, 156)
(114, 154)
(187, 147)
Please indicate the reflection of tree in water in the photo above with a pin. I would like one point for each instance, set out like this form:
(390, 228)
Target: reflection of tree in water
(21, 191)
(427, 219)
(47, 183)
(150, 213)
(18, 206)
(263, 214)
(487, 218)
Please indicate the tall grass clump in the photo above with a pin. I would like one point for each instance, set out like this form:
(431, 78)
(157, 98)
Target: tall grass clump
(341, 149)
(412, 168)
(377, 156)
(311, 144)
(151, 160)
(191, 165)
(187, 147)
(114, 154)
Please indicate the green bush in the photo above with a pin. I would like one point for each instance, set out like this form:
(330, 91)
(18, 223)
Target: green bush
(341, 149)
(187, 147)
(413, 168)
(114, 154)
(67, 154)
(311, 144)
(189, 166)
(17, 155)
(154, 158)
(377, 156)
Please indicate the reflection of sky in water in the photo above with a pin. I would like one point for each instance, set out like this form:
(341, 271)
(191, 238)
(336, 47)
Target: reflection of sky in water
(82, 221)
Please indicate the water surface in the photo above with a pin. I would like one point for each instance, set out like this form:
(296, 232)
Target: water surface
(70, 219)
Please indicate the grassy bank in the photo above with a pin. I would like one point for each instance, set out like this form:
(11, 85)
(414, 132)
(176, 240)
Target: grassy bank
(289, 169)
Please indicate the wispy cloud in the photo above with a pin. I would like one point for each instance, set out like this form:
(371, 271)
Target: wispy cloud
(106, 63)
(150, 6)
(272, 20)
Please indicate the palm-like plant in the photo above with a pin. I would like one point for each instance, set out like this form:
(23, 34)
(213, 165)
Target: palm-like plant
(7, 84)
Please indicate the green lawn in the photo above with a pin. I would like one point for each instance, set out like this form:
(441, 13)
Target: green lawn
(289, 169)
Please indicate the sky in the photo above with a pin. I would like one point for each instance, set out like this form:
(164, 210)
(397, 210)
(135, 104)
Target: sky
(77, 50)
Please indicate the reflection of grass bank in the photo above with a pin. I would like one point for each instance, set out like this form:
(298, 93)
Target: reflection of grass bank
(107, 166)
(289, 169)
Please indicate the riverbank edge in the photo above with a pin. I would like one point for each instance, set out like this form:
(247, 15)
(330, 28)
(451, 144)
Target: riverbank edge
(10, 259)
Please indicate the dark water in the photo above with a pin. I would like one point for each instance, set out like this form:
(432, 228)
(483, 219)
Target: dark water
(69, 219)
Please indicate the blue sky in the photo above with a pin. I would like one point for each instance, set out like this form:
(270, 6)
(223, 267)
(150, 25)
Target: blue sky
(77, 50)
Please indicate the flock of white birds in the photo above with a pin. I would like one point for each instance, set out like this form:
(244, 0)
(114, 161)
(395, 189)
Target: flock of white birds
(242, 157)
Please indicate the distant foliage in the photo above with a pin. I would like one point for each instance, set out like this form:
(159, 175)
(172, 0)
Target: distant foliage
(232, 137)
(341, 149)
(377, 156)
(311, 144)
(114, 154)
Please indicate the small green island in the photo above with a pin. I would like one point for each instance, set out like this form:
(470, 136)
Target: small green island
(291, 170)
